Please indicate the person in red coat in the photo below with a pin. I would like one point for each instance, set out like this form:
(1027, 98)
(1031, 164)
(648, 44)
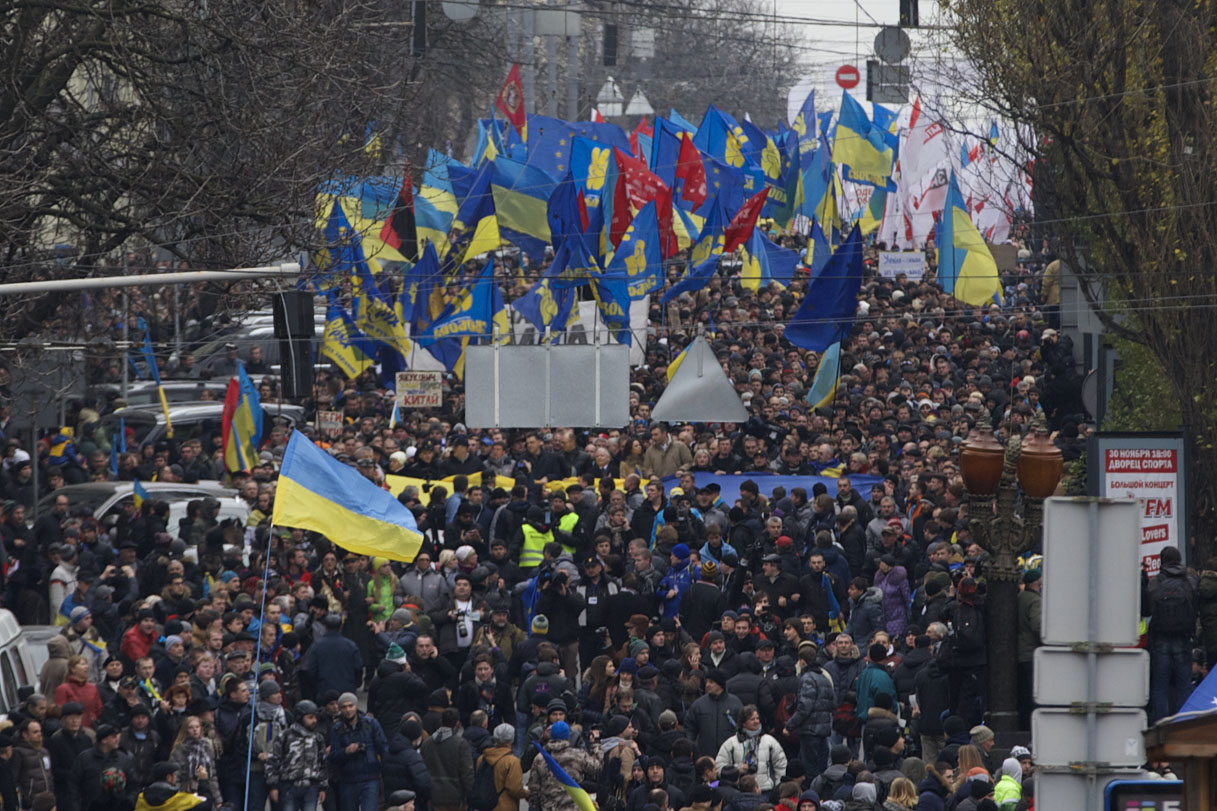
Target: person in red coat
(78, 688)
(138, 640)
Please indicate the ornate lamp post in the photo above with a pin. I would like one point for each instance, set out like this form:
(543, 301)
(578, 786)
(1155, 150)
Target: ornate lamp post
(992, 476)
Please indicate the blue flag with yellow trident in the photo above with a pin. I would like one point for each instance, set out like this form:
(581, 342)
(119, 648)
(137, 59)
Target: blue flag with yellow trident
(343, 343)
(868, 150)
(765, 262)
(476, 312)
(638, 256)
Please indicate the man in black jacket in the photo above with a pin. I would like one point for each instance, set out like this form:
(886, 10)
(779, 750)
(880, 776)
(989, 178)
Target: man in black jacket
(703, 604)
(66, 745)
(87, 770)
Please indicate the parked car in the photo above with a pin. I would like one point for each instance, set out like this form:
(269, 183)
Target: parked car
(103, 498)
(199, 420)
(17, 666)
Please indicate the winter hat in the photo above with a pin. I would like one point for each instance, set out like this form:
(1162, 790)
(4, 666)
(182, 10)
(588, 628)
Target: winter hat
(884, 758)
(268, 688)
(980, 734)
(865, 792)
(395, 655)
(504, 733)
(717, 676)
(839, 754)
(172, 640)
(667, 720)
(615, 726)
(560, 731)
(345, 698)
(1032, 575)
(681, 551)
(1020, 752)
(709, 570)
(463, 552)
(403, 616)
(540, 624)
(413, 730)
(628, 665)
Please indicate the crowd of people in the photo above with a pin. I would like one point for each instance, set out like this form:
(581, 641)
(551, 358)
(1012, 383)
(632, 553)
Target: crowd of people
(797, 647)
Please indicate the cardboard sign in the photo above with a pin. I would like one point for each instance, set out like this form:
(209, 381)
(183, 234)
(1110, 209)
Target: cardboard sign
(329, 422)
(910, 263)
(420, 389)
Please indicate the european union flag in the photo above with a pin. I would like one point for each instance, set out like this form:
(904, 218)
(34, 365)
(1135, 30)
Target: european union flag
(566, 211)
(550, 141)
(825, 315)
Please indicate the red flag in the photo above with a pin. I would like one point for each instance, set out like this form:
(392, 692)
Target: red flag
(641, 186)
(644, 127)
(399, 231)
(739, 230)
(691, 170)
(510, 101)
(596, 117)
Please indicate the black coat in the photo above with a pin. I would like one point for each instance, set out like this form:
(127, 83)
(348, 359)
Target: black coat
(700, 607)
(64, 749)
(932, 687)
(393, 693)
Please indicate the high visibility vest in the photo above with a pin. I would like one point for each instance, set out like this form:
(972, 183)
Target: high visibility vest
(567, 524)
(534, 546)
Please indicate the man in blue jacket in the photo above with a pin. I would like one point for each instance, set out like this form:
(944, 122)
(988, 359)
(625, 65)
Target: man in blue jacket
(357, 745)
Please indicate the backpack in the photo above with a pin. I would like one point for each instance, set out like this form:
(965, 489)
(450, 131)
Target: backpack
(483, 796)
(969, 630)
(845, 721)
(1172, 609)
(782, 715)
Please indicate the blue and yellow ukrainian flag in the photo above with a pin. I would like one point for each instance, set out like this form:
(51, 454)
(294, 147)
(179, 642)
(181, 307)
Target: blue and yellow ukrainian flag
(828, 309)
(435, 204)
(241, 422)
(862, 146)
(521, 195)
(676, 361)
(317, 492)
(576, 793)
(824, 385)
(138, 494)
(966, 269)
(476, 226)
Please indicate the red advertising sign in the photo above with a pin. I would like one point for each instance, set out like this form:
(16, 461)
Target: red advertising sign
(1150, 475)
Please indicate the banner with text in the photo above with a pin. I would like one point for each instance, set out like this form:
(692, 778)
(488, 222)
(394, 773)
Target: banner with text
(1150, 471)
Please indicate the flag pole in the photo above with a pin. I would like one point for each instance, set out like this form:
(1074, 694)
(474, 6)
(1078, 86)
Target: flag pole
(253, 698)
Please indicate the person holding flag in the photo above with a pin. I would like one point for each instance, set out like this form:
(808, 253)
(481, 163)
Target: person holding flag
(557, 777)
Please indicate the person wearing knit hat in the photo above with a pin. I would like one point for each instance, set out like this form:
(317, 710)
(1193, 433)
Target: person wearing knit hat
(504, 734)
(709, 571)
(540, 625)
(710, 720)
(559, 731)
(681, 552)
(984, 740)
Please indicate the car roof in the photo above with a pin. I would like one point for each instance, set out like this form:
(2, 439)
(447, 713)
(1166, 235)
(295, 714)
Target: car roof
(122, 486)
(207, 407)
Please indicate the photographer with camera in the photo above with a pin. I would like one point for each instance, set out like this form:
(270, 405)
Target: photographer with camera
(562, 604)
(457, 617)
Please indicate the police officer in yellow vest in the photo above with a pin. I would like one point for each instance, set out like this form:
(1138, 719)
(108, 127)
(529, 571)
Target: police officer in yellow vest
(564, 522)
(534, 534)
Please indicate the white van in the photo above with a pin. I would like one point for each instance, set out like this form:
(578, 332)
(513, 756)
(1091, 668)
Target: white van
(16, 664)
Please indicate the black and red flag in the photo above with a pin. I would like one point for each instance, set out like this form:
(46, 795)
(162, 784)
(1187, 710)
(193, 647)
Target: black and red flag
(399, 232)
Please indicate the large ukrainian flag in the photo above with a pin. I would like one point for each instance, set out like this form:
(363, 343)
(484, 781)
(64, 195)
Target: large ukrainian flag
(966, 268)
(318, 493)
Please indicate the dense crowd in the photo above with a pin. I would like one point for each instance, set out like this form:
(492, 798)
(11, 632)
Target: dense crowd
(802, 647)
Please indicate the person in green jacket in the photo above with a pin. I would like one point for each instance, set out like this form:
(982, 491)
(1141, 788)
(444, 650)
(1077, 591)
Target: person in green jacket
(873, 680)
(1009, 789)
(380, 590)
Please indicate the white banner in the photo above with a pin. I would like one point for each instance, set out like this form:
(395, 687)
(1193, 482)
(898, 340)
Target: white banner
(910, 263)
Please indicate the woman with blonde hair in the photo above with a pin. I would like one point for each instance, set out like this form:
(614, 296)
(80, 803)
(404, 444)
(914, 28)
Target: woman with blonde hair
(901, 796)
(194, 755)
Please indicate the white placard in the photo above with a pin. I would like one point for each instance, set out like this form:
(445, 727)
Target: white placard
(1151, 476)
(910, 263)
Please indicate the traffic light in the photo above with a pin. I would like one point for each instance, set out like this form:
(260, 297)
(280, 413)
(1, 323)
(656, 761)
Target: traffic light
(909, 13)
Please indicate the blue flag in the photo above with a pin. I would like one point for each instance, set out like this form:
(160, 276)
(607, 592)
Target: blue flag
(825, 315)
(638, 256)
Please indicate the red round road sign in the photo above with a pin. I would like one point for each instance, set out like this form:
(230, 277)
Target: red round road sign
(848, 77)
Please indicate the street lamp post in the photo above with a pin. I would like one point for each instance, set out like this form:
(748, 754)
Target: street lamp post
(992, 476)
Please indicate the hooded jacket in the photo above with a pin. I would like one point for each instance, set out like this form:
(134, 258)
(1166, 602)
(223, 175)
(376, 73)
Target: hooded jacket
(449, 759)
(55, 670)
(866, 615)
(895, 588)
(711, 720)
(508, 777)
